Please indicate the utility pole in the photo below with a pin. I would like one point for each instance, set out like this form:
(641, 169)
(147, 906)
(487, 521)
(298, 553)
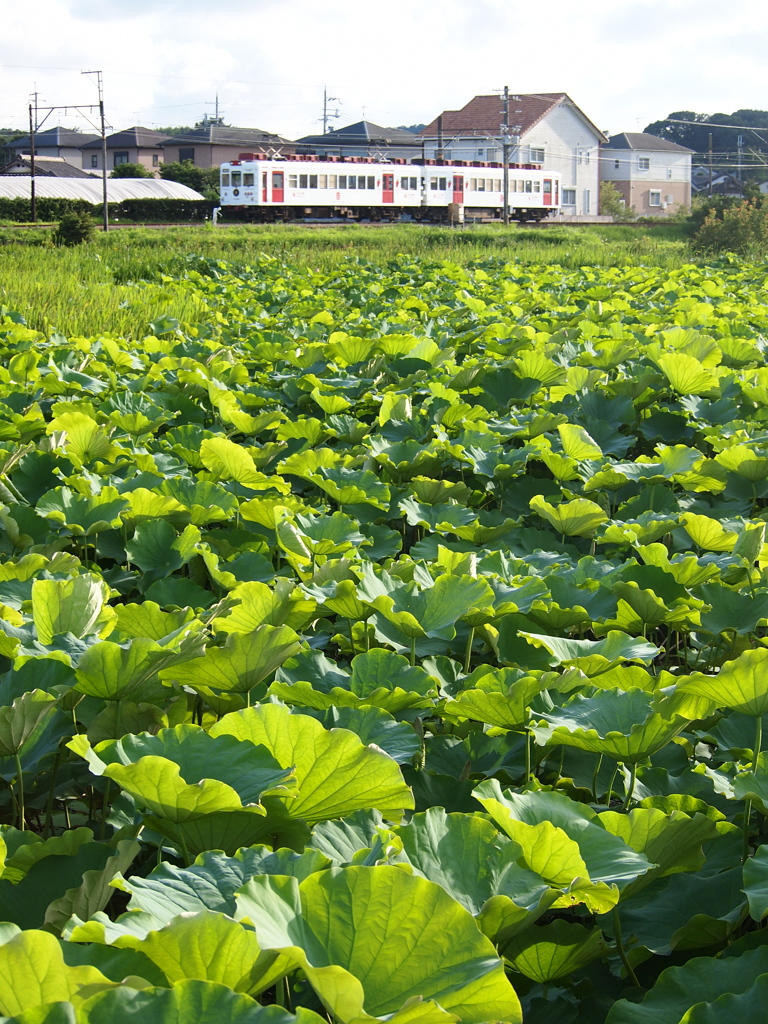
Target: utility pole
(100, 84)
(327, 115)
(710, 164)
(505, 154)
(32, 189)
(740, 144)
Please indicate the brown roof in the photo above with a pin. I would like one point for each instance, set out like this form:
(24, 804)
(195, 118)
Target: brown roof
(644, 140)
(483, 115)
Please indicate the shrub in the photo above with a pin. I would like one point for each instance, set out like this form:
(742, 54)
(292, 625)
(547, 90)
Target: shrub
(742, 229)
(131, 171)
(613, 204)
(74, 229)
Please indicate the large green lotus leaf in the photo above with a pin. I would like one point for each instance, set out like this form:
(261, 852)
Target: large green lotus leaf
(741, 684)
(749, 1005)
(310, 536)
(207, 502)
(374, 725)
(478, 868)
(554, 950)
(577, 443)
(116, 672)
(212, 881)
(33, 972)
(257, 604)
(731, 611)
(607, 857)
(51, 1013)
(145, 504)
(158, 550)
(335, 772)
(756, 883)
(241, 664)
(624, 725)
(500, 697)
(380, 668)
(595, 656)
(370, 939)
(83, 515)
(708, 533)
(703, 979)
(229, 461)
(84, 440)
(578, 518)
(753, 785)
(207, 946)
(148, 621)
(685, 911)
(204, 1002)
(672, 842)
(68, 606)
(687, 376)
(352, 486)
(94, 891)
(30, 729)
(185, 759)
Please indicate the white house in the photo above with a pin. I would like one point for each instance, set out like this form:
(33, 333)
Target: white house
(547, 129)
(652, 174)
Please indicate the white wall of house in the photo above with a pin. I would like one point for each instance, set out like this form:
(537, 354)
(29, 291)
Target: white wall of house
(639, 165)
(570, 146)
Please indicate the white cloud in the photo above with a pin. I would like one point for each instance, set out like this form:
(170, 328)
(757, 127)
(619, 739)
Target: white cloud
(624, 63)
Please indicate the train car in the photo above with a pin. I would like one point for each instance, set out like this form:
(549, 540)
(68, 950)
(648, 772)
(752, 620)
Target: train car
(296, 187)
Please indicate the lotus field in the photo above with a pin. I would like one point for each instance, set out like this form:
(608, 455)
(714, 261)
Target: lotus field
(389, 644)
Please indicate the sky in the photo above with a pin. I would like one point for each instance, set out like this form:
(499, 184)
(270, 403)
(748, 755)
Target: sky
(625, 63)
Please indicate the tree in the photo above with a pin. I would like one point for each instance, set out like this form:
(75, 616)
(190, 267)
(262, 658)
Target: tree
(131, 171)
(612, 202)
(694, 135)
(202, 179)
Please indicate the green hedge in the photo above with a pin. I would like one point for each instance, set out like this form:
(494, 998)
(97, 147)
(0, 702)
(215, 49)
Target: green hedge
(138, 210)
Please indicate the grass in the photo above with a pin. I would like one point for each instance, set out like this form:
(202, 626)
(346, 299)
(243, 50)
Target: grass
(115, 283)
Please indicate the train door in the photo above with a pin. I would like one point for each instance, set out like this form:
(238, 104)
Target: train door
(547, 198)
(264, 186)
(278, 184)
(458, 188)
(387, 188)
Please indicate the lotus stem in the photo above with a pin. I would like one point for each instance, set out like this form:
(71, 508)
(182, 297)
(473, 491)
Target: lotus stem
(620, 947)
(48, 826)
(468, 654)
(630, 787)
(105, 808)
(527, 756)
(595, 775)
(351, 637)
(20, 782)
(610, 785)
(413, 650)
(748, 802)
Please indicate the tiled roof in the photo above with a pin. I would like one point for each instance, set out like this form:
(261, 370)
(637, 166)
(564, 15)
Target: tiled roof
(483, 115)
(130, 138)
(54, 138)
(47, 166)
(225, 135)
(644, 140)
(364, 133)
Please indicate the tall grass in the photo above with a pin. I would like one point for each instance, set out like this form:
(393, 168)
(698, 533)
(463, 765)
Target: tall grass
(115, 283)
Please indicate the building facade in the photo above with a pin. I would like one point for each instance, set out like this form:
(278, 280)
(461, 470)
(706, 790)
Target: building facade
(135, 145)
(653, 175)
(55, 142)
(209, 145)
(547, 130)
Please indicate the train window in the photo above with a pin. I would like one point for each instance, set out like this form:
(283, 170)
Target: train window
(473, 184)
(322, 181)
(489, 184)
(342, 181)
(403, 183)
(331, 181)
(497, 184)
(236, 179)
(481, 184)
(248, 180)
(313, 181)
(351, 181)
(414, 183)
(529, 186)
(433, 184)
(537, 186)
(225, 179)
(303, 179)
(443, 184)
(293, 181)
(371, 181)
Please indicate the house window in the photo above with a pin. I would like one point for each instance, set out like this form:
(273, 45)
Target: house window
(155, 160)
(617, 164)
(186, 154)
(669, 173)
(654, 197)
(643, 163)
(569, 197)
(480, 152)
(94, 159)
(583, 156)
(587, 197)
(537, 155)
(120, 158)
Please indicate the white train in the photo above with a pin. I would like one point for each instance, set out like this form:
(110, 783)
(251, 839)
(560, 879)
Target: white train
(293, 187)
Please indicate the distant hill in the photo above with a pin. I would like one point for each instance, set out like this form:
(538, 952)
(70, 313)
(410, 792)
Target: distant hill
(415, 128)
